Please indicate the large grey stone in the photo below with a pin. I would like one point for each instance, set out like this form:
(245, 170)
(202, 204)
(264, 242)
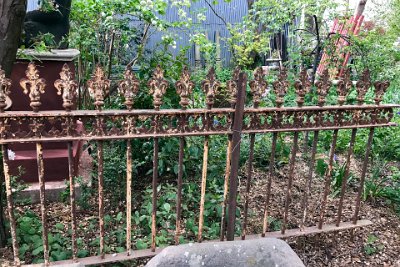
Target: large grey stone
(265, 252)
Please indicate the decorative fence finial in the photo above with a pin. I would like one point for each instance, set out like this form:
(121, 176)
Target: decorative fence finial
(302, 86)
(258, 86)
(158, 86)
(99, 86)
(380, 89)
(34, 85)
(323, 86)
(66, 86)
(232, 87)
(344, 86)
(184, 87)
(281, 86)
(210, 87)
(5, 85)
(129, 87)
(362, 85)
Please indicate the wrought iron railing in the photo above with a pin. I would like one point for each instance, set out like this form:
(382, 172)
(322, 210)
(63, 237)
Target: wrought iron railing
(101, 125)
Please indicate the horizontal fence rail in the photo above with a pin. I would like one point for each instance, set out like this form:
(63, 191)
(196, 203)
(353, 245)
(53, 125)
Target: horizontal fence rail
(235, 121)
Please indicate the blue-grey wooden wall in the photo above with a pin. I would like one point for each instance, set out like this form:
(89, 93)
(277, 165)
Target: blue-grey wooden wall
(232, 12)
(32, 5)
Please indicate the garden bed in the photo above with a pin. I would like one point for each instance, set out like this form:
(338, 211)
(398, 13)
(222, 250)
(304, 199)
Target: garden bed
(375, 245)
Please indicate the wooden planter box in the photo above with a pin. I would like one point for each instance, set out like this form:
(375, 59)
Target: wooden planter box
(55, 154)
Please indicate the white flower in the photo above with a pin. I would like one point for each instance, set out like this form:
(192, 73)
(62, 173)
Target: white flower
(182, 13)
(201, 17)
(11, 154)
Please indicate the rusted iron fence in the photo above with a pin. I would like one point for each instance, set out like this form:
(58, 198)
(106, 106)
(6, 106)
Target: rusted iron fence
(101, 125)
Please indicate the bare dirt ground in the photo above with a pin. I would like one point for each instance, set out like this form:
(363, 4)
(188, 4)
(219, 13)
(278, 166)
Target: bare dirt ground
(374, 245)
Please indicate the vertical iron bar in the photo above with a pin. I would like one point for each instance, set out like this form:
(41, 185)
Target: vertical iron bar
(346, 175)
(203, 188)
(39, 156)
(364, 171)
(179, 190)
(328, 175)
(248, 181)
(72, 199)
(226, 183)
(10, 205)
(154, 196)
(306, 135)
(101, 195)
(309, 180)
(291, 174)
(128, 196)
(269, 184)
(235, 157)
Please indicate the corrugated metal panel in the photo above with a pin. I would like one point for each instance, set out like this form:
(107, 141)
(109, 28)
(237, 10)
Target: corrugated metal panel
(232, 12)
(32, 5)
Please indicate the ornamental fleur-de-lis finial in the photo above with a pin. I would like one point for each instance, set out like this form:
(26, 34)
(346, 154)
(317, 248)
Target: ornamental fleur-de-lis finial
(210, 86)
(362, 86)
(158, 86)
(302, 86)
(258, 86)
(99, 86)
(66, 86)
(33, 85)
(232, 87)
(281, 86)
(380, 89)
(129, 87)
(344, 86)
(323, 86)
(5, 85)
(184, 88)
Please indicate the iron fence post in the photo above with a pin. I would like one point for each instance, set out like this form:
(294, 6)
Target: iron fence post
(235, 155)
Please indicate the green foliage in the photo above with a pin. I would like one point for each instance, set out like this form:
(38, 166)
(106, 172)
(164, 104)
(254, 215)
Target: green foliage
(274, 223)
(383, 183)
(264, 19)
(29, 236)
(338, 176)
(372, 246)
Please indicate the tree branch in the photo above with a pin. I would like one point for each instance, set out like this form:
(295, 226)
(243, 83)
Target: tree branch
(216, 13)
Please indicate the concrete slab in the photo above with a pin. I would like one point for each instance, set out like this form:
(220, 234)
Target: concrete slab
(54, 189)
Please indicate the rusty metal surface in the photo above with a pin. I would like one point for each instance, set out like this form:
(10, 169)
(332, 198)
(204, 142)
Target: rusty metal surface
(179, 191)
(154, 195)
(203, 188)
(328, 178)
(145, 253)
(45, 126)
(71, 177)
(288, 194)
(128, 196)
(43, 210)
(236, 140)
(309, 179)
(271, 172)
(363, 173)
(10, 206)
(226, 188)
(100, 177)
(346, 175)
(101, 125)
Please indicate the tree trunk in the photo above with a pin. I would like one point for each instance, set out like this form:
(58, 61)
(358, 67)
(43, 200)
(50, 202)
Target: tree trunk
(360, 8)
(12, 15)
